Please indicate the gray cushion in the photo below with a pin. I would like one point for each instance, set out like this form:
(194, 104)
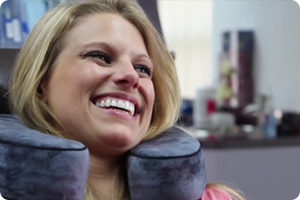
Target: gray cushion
(168, 167)
(38, 166)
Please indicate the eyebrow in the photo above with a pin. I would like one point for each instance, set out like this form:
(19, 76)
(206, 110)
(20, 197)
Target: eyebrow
(110, 47)
(97, 44)
(145, 56)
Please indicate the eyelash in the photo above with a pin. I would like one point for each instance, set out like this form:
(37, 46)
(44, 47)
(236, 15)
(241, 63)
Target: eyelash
(98, 54)
(145, 69)
(103, 56)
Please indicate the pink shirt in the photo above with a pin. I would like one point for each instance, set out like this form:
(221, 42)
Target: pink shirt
(215, 194)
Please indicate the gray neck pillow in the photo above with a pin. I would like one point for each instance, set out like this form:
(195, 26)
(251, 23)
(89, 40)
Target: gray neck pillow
(38, 166)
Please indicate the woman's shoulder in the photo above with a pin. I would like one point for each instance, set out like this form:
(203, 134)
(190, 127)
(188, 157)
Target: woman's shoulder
(214, 193)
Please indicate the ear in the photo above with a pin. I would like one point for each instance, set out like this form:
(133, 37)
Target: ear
(41, 91)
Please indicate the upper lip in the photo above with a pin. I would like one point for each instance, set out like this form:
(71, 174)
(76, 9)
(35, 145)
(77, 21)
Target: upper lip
(118, 95)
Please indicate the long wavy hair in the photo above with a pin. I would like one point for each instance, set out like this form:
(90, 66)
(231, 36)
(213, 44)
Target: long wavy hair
(46, 41)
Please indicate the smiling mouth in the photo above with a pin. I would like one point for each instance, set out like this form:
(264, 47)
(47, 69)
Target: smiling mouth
(119, 105)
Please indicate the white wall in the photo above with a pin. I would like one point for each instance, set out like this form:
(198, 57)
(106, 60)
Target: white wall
(187, 27)
(277, 59)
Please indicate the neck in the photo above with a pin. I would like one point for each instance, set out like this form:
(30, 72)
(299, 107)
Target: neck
(103, 176)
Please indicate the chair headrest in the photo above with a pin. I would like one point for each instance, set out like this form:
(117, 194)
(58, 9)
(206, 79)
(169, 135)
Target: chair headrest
(169, 166)
(38, 166)
(7, 60)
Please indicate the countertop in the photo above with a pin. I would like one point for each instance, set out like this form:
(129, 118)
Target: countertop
(240, 141)
(249, 143)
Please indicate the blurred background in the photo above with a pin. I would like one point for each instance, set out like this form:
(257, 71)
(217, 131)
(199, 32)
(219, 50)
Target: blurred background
(238, 64)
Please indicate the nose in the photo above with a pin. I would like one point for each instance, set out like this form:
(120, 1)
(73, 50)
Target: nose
(126, 76)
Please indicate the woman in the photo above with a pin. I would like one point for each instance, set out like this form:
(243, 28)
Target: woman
(98, 72)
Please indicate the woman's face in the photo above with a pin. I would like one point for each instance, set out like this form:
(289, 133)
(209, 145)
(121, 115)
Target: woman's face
(100, 87)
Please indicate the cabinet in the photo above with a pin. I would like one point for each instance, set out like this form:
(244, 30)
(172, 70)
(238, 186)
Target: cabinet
(260, 173)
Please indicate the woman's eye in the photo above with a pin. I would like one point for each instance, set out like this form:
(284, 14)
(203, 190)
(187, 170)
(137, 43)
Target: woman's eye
(143, 69)
(100, 55)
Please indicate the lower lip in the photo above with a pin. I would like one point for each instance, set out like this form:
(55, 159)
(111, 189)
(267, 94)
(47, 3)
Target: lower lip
(118, 114)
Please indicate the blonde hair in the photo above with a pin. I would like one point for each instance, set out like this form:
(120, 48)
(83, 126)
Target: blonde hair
(46, 41)
(235, 194)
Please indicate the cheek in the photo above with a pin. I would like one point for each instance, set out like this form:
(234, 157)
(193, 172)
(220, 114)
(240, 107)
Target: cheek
(63, 91)
(62, 100)
(76, 82)
(66, 95)
(150, 92)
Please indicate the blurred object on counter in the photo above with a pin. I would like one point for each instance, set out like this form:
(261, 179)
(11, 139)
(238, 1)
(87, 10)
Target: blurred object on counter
(186, 113)
(245, 67)
(267, 116)
(270, 121)
(257, 110)
(223, 122)
(196, 133)
(204, 105)
(240, 117)
(289, 125)
(248, 129)
(236, 88)
(225, 92)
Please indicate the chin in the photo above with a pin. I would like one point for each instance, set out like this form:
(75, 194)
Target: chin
(121, 139)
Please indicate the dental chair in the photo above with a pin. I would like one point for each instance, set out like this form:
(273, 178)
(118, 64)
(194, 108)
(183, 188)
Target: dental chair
(38, 166)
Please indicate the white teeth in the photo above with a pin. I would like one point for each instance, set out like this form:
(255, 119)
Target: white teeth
(126, 106)
(113, 102)
(129, 108)
(121, 104)
(102, 103)
(107, 102)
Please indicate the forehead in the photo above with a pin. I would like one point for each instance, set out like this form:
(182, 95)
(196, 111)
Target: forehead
(109, 28)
